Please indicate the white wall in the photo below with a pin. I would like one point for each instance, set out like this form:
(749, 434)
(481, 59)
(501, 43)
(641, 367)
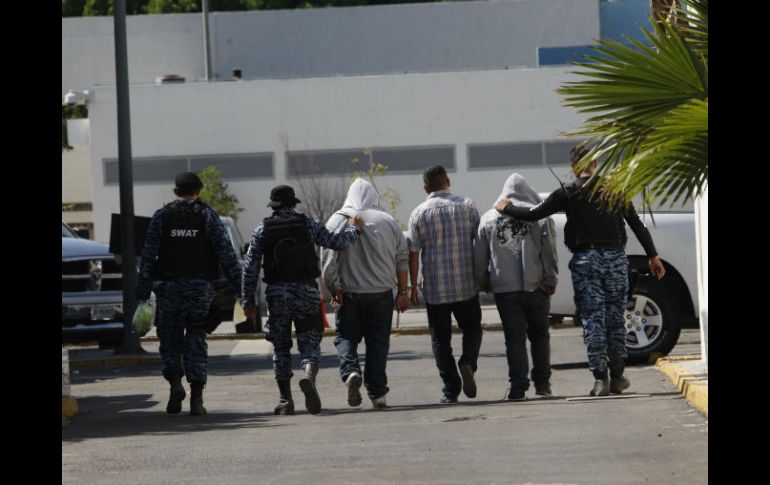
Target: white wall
(332, 113)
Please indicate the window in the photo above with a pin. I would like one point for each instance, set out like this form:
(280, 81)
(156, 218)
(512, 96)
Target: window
(503, 155)
(345, 162)
(164, 169)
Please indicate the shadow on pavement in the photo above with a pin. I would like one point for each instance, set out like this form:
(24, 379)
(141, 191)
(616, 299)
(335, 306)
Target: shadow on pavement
(220, 365)
(475, 404)
(115, 416)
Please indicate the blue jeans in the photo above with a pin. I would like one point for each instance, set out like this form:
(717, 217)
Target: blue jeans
(468, 316)
(368, 316)
(525, 314)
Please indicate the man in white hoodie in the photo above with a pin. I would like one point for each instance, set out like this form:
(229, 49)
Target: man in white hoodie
(361, 280)
(516, 260)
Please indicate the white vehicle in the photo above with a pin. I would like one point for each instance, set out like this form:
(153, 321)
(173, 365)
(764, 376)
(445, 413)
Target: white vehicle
(657, 309)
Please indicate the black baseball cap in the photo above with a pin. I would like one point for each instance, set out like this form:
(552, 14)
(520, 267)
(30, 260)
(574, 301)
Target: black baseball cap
(283, 195)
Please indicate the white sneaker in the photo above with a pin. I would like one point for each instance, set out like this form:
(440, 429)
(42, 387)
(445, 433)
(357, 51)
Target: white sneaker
(353, 382)
(379, 402)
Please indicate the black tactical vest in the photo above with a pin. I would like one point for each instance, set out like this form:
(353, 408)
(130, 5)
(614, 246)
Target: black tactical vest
(289, 252)
(184, 246)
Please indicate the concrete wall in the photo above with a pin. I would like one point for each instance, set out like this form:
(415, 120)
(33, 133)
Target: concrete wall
(332, 113)
(397, 38)
(329, 42)
(157, 45)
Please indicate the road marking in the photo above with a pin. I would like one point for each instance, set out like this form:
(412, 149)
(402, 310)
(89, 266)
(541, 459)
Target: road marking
(252, 347)
(598, 398)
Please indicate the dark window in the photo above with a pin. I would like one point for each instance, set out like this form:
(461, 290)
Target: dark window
(147, 170)
(504, 155)
(251, 166)
(163, 170)
(557, 152)
(327, 162)
(414, 159)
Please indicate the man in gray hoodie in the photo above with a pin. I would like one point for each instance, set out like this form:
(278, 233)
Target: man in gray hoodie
(361, 280)
(516, 260)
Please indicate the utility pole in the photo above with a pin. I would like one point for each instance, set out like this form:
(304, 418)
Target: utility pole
(131, 343)
(206, 51)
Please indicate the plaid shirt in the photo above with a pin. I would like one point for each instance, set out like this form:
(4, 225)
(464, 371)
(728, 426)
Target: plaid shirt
(444, 228)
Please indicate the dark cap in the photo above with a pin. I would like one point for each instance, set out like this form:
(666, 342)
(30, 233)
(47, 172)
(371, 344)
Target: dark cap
(188, 182)
(283, 195)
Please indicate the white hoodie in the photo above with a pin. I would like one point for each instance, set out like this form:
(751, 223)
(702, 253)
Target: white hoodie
(369, 265)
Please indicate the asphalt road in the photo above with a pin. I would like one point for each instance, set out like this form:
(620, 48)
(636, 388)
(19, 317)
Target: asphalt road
(123, 436)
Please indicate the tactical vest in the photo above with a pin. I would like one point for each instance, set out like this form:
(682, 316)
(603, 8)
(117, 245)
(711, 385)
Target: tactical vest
(184, 246)
(289, 252)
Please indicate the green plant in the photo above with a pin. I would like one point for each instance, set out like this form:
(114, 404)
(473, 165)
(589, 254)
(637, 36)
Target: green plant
(215, 194)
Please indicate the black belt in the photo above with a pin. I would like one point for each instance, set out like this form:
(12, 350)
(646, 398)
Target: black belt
(605, 246)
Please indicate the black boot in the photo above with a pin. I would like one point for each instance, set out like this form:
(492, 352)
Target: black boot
(177, 394)
(196, 399)
(618, 382)
(286, 405)
(307, 384)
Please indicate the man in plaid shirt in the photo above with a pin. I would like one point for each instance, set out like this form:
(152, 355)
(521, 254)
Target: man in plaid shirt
(443, 229)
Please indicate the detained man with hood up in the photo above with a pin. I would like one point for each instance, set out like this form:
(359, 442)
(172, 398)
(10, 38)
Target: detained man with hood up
(516, 260)
(361, 280)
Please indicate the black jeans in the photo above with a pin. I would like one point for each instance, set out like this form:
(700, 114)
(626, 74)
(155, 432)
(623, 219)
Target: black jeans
(368, 316)
(468, 316)
(525, 314)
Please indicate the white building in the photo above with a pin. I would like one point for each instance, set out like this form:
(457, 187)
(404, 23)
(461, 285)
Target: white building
(468, 85)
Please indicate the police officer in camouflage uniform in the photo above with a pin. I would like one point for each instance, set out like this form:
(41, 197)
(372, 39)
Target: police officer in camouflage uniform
(186, 243)
(286, 240)
(596, 236)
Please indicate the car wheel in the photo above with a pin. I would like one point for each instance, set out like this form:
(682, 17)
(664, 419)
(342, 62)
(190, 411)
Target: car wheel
(652, 319)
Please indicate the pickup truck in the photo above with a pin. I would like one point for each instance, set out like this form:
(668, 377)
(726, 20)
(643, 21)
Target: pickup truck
(92, 291)
(657, 309)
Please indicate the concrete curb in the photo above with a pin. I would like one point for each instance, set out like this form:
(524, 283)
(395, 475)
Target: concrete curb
(122, 361)
(691, 386)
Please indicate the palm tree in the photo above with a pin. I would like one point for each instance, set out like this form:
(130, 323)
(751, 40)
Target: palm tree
(649, 107)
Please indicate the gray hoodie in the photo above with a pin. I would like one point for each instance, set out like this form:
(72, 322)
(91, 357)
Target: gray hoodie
(370, 265)
(514, 255)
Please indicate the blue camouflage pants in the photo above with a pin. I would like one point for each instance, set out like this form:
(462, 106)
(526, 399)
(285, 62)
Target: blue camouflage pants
(183, 306)
(299, 303)
(600, 282)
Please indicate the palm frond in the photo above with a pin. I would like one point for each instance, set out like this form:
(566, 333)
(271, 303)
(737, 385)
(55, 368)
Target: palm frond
(648, 107)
